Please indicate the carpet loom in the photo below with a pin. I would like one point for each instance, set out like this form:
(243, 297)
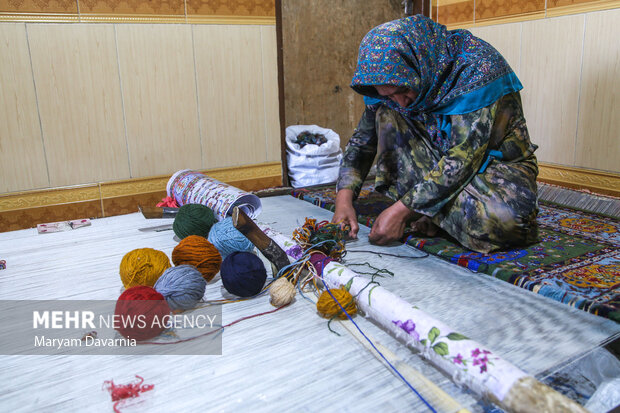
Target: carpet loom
(284, 361)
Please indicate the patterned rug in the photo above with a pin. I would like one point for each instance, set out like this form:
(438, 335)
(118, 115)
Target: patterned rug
(576, 262)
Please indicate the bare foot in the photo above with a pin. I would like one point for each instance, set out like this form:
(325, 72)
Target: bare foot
(425, 226)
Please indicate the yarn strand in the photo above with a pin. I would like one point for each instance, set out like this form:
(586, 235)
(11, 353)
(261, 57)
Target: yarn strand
(376, 349)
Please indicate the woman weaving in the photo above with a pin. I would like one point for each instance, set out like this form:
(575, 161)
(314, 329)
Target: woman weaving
(443, 114)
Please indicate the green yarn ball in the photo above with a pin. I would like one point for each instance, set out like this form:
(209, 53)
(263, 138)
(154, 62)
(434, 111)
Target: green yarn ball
(193, 219)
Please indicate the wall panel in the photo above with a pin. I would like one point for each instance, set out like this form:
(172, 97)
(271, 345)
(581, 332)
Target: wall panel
(450, 12)
(270, 86)
(39, 6)
(506, 39)
(598, 137)
(159, 96)
(229, 8)
(494, 9)
(132, 7)
(230, 92)
(23, 159)
(78, 89)
(550, 75)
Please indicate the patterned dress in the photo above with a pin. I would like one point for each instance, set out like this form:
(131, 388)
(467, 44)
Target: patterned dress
(430, 154)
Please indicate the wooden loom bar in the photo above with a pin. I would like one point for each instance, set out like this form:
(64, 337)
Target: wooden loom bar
(514, 390)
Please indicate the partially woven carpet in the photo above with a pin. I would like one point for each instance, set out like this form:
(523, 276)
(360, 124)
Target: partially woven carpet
(576, 262)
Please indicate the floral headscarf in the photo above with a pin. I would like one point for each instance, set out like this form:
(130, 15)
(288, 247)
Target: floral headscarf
(452, 71)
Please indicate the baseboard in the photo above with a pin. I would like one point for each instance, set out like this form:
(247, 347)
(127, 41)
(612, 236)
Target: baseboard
(26, 209)
(605, 183)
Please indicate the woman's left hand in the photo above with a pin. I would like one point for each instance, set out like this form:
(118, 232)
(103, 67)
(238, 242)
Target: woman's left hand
(390, 224)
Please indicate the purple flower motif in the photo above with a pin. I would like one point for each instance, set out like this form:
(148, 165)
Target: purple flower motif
(458, 359)
(483, 368)
(409, 327)
(295, 252)
(476, 362)
(475, 353)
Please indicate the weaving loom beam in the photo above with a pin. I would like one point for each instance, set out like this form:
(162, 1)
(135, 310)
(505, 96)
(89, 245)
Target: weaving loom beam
(516, 392)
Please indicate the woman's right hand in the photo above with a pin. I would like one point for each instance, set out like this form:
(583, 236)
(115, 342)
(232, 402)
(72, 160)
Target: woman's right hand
(345, 213)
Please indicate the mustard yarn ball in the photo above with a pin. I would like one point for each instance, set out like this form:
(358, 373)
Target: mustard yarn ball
(328, 308)
(281, 292)
(143, 266)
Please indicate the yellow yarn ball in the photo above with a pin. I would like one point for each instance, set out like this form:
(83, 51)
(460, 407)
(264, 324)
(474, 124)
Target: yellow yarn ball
(281, 292)
(143, 266)
(328, 308)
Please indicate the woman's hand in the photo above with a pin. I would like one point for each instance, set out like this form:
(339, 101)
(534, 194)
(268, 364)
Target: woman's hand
(345, 213)
(390, 224)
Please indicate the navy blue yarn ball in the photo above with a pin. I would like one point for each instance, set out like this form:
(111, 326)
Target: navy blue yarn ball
(243, 274)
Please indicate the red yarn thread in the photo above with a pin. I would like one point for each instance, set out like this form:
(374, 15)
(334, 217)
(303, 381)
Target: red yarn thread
(140, 313)
(120, 392)
(168, 202)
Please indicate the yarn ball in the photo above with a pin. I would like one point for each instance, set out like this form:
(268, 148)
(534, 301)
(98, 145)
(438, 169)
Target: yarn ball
(243, 274)
(328, 308)
(197, 251)
(227, 239)
(181, 286)
(193, 219)
(281, 292)
(143, 266)
(140, 313)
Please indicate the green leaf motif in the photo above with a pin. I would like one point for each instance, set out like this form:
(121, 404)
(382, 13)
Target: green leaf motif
(348, 286)
(457, 337)
(441, 349)
(423, 342)
(331, 270)
(340, 272)
(433, 334)
(370, 292)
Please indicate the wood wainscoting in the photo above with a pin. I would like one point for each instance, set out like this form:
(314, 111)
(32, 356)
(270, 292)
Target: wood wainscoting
(22, 210)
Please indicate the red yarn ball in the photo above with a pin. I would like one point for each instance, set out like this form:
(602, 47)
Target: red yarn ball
(140, 313)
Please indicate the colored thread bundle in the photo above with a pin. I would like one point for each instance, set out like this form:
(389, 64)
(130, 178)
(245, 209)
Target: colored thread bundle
(227, 239)
(197, 251)
(243, 274)
(322, 236)
(281, 292)
(143, 266)
(141, 313)
(328, 308)
(182, 287)
(193, 219)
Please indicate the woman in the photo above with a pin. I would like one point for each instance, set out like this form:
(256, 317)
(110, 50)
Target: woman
(443, 114)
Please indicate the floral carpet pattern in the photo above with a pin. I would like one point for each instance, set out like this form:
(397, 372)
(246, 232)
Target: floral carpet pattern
(576, 261)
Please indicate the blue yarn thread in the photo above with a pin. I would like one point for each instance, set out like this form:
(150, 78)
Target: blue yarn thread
(306, 257)
(227, 239)
(373, 345)
(243, 274)
(182, 286)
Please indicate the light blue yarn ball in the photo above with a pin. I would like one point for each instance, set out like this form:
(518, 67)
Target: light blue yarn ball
(227, 239)
(182, 287)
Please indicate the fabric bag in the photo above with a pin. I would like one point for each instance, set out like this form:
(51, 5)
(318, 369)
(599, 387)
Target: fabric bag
(312, 164)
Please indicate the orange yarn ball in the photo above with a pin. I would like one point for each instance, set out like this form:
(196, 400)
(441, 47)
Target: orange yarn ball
(328, 308)
(199, 252)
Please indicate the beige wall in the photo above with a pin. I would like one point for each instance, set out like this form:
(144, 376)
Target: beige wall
(82, 103)
(570, 69)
